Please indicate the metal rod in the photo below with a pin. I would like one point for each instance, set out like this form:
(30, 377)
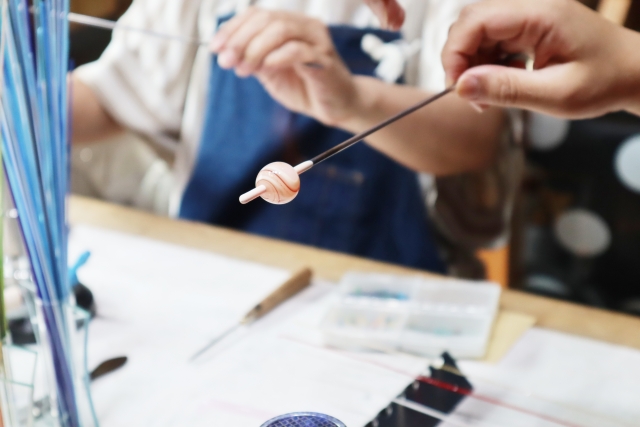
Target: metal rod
(215, 341)
(357, 138)
(92, 21)
(305, 166)
(296, 283)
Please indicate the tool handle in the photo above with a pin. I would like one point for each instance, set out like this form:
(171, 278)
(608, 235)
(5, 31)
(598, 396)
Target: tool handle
(295, 284)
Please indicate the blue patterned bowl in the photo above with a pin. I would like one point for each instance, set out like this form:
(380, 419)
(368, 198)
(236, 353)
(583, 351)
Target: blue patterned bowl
(303, 419)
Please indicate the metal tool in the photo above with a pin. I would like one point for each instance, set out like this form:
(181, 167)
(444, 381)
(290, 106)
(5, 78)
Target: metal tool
(305, 166)
(357, 138)
(291, 287)
(92, 21)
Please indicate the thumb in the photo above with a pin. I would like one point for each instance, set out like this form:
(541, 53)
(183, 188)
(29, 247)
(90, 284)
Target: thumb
(510, 87)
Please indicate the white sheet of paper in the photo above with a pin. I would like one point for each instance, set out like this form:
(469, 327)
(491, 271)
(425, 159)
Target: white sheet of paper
(566, 380)
(159, 303)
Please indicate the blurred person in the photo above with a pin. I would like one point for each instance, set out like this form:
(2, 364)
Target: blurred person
(259, 101)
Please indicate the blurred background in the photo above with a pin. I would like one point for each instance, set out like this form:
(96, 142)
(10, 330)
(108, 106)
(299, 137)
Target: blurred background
(575, 233)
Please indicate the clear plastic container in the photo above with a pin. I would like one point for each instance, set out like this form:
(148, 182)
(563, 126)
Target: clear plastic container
(412, 314)
(357, 326)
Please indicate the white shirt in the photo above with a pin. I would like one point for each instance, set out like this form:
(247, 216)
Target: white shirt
(158, 87)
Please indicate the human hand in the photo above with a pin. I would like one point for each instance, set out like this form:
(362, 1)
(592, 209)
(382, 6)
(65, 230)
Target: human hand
(584, 66)
(294, 58)
(389, 12)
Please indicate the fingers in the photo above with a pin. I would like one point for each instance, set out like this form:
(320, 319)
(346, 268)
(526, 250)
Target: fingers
(490, 27)
(311, 39)
(466, 36)
(227, 29)
(389, 12)
(552, 90)
(233, 38)
(247, 40)
(573, 72)
(293, 53)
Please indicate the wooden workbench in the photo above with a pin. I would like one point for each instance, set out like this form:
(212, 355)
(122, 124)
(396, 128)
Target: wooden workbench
(571, 318)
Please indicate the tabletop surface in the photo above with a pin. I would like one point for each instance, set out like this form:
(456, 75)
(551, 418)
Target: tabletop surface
(558, 315)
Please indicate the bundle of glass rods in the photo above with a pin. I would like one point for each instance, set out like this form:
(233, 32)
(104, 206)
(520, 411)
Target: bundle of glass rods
(34, 123)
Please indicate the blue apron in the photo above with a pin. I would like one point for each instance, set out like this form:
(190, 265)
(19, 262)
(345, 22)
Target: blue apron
(359, 202)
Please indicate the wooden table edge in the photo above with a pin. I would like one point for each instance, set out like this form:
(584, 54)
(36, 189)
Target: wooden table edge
(558, 315)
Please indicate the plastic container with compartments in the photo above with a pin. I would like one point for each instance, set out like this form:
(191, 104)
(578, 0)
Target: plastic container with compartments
(412, 314)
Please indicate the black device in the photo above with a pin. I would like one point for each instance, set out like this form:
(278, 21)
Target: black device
(440, 397)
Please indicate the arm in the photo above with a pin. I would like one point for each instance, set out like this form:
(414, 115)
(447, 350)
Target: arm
(91, 122)
(275, 46)
(584, 65)
(445, 138)
(139, 83)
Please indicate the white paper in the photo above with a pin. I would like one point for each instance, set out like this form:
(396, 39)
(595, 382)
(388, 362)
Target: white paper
(164, 296)
(558, 379)
(158, 304)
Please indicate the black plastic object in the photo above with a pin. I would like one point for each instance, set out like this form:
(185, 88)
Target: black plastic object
(84, 299)
(21, 331)
(431, 396)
